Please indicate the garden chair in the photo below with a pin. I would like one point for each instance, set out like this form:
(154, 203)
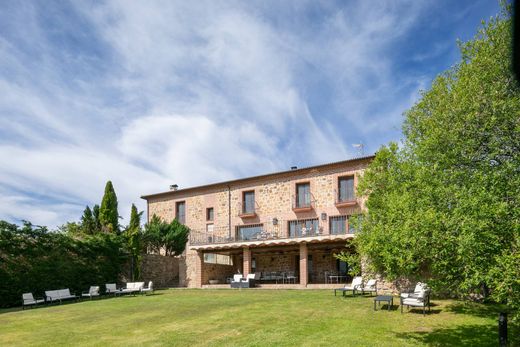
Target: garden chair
(149, 289)
(29, 300)
(419, 299)
(92, 292)
(357, 284)
(111, 288)
(370, 287)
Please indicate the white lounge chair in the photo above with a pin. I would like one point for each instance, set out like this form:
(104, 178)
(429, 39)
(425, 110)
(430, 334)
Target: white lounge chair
(59, 295)
(111, 288)
(370, 287)
(419, 299)
(29, 300)
(149, 289)
(92, 292)
(357, 284)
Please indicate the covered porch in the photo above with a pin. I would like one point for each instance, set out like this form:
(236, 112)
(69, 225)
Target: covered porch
(297, 265)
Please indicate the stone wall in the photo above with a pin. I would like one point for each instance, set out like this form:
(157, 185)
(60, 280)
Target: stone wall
(162, 270)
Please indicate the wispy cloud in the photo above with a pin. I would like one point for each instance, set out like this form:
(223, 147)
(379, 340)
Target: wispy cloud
(152, 93)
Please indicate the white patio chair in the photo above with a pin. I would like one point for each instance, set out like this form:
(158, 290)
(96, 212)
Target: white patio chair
(29, 300)
(419, 288)
(149, 289)
(111, 288)
(357, 284)
(92, 292)
(420, 299)
(370, 287)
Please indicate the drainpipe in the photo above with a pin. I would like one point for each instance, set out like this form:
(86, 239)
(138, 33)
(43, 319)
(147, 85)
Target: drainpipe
(229, 211)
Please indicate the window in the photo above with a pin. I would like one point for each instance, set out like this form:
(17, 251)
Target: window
(209, 214)
(249, 232)
(248, 202)
(180, 212)
(346, 189)
(338, 225)
(303, 227)
(303, 195)
(215, 258)
(209, 228)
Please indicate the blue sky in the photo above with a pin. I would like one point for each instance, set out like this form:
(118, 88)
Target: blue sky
(151, 93)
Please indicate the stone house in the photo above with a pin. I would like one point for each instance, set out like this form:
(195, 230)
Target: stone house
(284, 226)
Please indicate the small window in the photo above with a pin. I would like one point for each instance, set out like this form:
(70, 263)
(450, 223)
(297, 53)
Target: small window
(248, 202)
(346, 189)
(180, 212)
(209, 214)
(338, 225)
(303, 195)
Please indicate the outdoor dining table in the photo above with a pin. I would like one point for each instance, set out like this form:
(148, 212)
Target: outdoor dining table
(338, 278)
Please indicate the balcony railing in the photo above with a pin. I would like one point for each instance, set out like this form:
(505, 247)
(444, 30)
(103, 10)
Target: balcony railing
(343, 200)
(267, 232)
(303, 202)
(251, 211)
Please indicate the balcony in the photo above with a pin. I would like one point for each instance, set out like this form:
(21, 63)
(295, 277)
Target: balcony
(344, 200)
(247, 211)
(264, 236)
(303, 202)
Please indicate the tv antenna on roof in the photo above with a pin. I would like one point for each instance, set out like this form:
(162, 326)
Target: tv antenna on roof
(360, 147)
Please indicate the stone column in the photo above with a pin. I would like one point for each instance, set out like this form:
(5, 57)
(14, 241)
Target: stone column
(199, 270)
(304, 279)
(247, 261)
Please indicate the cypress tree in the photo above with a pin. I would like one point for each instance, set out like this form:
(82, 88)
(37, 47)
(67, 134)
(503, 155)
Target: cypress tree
(108, 214)
(133, 234)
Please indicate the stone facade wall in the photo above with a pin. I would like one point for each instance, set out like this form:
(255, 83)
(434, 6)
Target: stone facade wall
(162, 270)
(274, 197)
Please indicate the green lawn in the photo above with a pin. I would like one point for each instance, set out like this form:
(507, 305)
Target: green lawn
(246, 317)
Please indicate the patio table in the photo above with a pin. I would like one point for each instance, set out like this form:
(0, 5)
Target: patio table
(387, 298)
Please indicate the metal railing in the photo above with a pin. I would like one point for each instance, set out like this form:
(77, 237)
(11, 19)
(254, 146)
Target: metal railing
(338, 198)
(306, 200)
(241, 208)
(264, 231)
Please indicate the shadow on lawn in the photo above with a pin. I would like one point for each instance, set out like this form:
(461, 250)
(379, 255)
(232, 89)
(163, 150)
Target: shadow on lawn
(466, 335)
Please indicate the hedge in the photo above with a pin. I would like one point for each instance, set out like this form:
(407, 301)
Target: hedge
(32, 259)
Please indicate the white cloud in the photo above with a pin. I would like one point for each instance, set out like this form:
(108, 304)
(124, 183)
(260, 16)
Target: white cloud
(147, 94)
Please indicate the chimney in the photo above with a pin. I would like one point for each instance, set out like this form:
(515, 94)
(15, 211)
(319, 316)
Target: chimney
(294, 167)
(174, 187)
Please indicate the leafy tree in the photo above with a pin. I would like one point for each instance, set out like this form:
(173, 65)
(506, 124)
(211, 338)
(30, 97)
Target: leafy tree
(108, 213)
(133, 235)
(88, 223)
(444, 205)
(171, 237)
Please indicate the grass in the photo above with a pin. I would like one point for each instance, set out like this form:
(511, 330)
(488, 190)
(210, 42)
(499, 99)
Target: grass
(247, 318)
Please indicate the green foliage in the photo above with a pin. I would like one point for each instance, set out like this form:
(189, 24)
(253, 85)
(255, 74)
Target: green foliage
(134, 243)
(444, 206)
(172, 237)
(88, 223)
(34, 260)
(95, 215)
(108, 213)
